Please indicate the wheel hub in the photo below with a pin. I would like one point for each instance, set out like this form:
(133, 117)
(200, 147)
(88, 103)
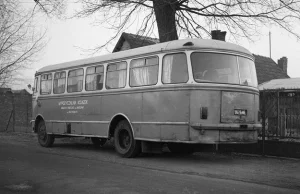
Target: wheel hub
(124, 139)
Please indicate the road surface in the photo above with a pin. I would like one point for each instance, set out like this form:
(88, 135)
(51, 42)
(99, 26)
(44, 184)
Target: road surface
(77, 167)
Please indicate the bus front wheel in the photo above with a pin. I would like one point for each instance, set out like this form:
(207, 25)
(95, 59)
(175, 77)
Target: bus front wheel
(45, 140)
(125, 144)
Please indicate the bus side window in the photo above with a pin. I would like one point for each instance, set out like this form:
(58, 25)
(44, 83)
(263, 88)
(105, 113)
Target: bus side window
(116, 75)
(59, 82)
(94, 78)
(144, 72)
(75, 80)
(46, 83)
(175, 68)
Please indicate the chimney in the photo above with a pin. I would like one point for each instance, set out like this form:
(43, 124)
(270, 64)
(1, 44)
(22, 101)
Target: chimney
(218, 35)
(282, 63)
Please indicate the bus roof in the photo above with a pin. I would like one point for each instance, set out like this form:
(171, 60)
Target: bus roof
(161, 47)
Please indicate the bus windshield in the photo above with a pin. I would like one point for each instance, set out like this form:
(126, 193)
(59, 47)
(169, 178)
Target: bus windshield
(223, 68)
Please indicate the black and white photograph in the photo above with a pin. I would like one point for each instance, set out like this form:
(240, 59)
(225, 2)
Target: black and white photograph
(149, 96)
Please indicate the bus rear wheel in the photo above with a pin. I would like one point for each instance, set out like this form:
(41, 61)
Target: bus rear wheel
(181, 148)
(45, 140)
(98, 142)
(124, 142)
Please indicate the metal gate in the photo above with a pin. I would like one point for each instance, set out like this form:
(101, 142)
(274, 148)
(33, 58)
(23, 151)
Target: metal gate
(280, 110)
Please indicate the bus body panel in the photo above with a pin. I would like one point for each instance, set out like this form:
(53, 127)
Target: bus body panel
(209, 99)
(233, 103)
(213, 129)
(128, 104)
(165, 115)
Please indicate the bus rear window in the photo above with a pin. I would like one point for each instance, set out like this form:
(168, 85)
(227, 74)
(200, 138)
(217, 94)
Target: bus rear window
(215, 67)
(247, 72)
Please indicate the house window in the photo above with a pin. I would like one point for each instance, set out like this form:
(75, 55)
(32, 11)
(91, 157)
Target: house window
(144, 71)
(94, 78)
(46, 83)
(175, 69)
(59, 82)
(75, 80)
(116, 75)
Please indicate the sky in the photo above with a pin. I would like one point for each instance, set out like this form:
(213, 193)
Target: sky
(66, 38)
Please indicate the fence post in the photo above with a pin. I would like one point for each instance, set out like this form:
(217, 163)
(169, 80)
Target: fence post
(14, 111)
(11, 113)
(277, 130)
(27, 102)
(263, 115)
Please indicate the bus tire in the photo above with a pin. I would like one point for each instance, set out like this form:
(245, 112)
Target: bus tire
(45, 140)
(98, 142)
(181, 148)
(124, 142)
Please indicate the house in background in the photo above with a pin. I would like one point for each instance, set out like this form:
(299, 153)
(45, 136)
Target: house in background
(281, 105)
(130, 41)
(266, 68)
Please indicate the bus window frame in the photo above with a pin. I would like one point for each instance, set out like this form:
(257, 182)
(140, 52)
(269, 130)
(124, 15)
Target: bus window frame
(60, 78)
(145, 57)
(218, 52)
(51, 90)
(83, 77)
(188, 63)
(106, 71)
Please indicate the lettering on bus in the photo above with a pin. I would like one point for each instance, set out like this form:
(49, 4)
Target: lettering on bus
(72, 106)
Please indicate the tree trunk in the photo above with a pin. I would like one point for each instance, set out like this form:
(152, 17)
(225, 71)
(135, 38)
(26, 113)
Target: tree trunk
(165, 18)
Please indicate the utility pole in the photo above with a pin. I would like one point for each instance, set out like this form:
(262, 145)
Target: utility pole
(270, 44)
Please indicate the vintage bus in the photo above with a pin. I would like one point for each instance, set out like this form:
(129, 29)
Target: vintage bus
(179, 93)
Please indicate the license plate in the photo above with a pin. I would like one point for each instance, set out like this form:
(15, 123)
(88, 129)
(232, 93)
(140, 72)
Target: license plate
(240, 112)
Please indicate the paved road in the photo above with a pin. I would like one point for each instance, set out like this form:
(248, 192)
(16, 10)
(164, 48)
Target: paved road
(76, 167)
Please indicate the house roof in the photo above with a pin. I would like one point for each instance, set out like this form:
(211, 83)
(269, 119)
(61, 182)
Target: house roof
(267, 69)
(134, 40)
(275, 84)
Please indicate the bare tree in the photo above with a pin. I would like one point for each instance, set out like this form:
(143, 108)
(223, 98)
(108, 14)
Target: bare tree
(19, 43)
(193, 18)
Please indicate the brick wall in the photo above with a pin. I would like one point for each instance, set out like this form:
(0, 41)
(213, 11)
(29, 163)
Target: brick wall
(15, 111)
(6, 107)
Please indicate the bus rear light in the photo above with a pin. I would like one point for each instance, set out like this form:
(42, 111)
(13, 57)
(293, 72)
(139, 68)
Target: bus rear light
(203, 112)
